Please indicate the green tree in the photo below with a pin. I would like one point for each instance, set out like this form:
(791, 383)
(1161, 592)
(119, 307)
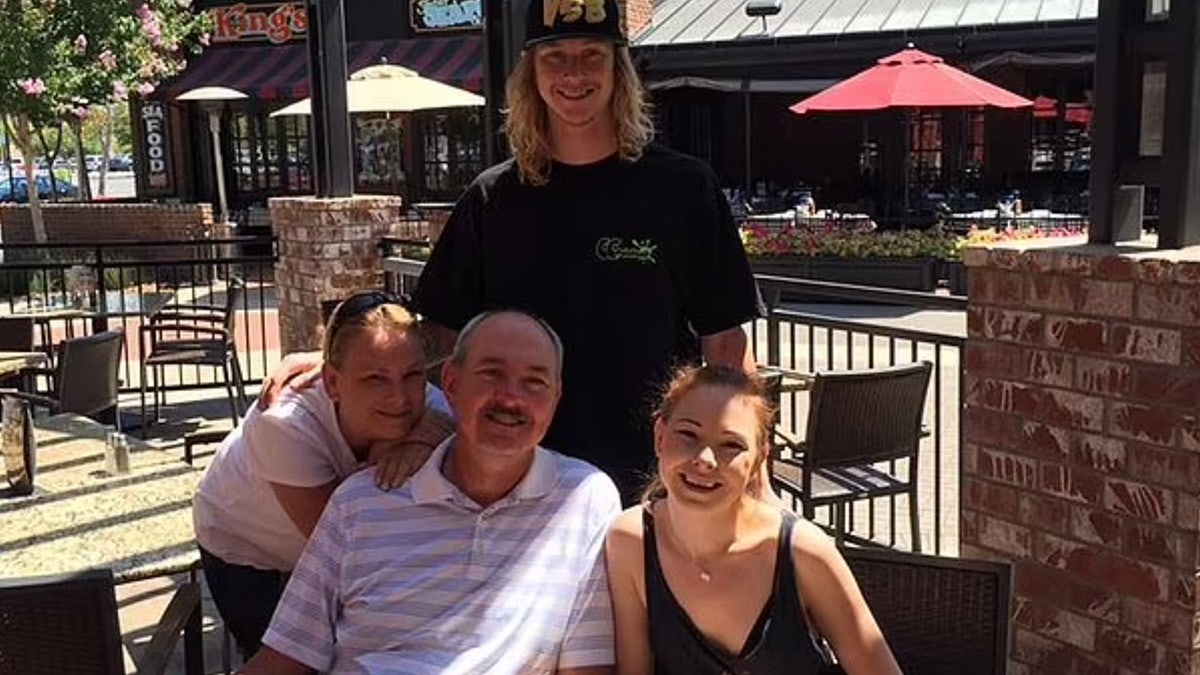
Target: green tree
(59, 58)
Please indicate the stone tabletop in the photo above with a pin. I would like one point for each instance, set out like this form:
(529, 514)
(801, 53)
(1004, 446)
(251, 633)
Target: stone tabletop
(15, 362)
(138, 524)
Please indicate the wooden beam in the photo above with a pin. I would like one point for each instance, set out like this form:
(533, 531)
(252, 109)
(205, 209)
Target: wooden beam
(1106, 122)
(1180, 199)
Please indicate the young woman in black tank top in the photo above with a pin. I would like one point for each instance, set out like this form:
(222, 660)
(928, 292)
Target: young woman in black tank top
(707, 580)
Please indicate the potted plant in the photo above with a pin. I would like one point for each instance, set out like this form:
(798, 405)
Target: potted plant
(955, 273)
(905, 259)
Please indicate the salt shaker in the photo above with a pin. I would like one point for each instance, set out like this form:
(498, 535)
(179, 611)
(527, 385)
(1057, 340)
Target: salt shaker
(116, 453)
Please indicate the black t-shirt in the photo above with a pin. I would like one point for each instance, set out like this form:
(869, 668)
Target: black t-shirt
(628, 262)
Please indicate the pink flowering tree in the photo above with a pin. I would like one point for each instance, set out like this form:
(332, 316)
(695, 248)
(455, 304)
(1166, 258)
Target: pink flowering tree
(59, 58)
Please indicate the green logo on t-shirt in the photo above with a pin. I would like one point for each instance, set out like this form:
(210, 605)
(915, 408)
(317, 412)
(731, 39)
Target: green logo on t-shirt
(613, 249)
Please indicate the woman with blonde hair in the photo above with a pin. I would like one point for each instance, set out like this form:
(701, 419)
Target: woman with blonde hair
(270, 480)
(705, 578)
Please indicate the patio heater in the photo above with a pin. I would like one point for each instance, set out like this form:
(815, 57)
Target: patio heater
(212, 100)
(761, 9)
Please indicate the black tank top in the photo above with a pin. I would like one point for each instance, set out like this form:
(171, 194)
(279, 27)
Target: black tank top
(779, 643)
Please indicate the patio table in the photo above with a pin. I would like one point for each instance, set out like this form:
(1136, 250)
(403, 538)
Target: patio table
(821, 220)
(14, 362)
(138, 524)
(146, 306)
(1037, 218)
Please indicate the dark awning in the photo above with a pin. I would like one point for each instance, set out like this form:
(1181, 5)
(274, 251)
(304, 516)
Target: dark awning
(751, 85)
(281, 71)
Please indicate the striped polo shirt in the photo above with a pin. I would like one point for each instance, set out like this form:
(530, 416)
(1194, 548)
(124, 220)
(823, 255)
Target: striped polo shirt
(424, 580)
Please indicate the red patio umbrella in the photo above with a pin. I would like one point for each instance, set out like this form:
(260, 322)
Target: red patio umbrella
(910, 79)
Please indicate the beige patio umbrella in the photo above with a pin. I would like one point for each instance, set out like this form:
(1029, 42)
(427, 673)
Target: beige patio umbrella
(213, 99)
(391, 88)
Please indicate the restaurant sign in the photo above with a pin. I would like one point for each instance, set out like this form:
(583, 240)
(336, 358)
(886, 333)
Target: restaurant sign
(437, 15)
(276, 23)
(154, 130)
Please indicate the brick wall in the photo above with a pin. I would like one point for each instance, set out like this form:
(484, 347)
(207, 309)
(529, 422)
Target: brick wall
(86, 222)
(637, 14)
(1082, 452)
(327, 249)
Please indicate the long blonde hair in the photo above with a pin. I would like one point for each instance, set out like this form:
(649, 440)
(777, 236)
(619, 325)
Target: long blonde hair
(528, 128)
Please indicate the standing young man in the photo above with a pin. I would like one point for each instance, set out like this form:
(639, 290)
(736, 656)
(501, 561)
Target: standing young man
(627, 249)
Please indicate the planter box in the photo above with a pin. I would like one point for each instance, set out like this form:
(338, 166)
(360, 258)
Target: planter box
(955, 274)
(910, 274)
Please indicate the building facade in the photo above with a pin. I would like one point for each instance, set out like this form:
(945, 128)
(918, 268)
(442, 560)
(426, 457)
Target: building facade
(723, 81)
(261, 51)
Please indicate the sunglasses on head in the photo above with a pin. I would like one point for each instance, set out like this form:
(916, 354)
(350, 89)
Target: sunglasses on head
(357, 304)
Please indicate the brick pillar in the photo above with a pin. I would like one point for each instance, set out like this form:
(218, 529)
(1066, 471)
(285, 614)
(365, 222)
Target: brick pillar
(637, 16)
(1082, 452)
(327, 249)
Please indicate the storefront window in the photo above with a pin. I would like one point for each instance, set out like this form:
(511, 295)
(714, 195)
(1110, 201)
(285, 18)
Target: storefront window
(297, 175)
(247, 157)
(975, 143)
(925, 149)
(379, 148)
(270, 154)
(1158, 10)
(1062, 134)
(451, 151)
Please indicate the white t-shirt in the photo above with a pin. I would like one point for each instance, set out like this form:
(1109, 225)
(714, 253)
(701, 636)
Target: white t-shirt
(295, 442)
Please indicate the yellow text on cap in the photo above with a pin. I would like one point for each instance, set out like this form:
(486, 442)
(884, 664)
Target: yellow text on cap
(591, 11)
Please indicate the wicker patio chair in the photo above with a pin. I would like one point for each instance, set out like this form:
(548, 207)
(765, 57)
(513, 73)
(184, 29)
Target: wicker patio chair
(940, 616)
(16, 335)
(859, 423)
(85, 378)
(197, 335)
(67, 625)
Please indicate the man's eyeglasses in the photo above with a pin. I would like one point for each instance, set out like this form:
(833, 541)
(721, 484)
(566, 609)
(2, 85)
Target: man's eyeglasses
(356, 305)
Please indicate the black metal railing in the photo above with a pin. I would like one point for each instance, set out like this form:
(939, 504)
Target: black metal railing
(814, 337)
(71, 289)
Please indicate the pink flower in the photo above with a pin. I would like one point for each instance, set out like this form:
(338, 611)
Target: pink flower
(145, 89)
(120, 92)
(81, 43)
(205, 39)
(32, 86)
(82, 113)
(107, 60)
(150, 24)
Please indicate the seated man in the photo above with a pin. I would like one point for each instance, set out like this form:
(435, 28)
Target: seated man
(488, 560)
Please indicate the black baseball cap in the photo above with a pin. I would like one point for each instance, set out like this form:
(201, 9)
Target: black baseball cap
(549, 20)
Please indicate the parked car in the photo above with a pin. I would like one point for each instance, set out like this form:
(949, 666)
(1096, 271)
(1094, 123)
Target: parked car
(120, 163)
(17, 189)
